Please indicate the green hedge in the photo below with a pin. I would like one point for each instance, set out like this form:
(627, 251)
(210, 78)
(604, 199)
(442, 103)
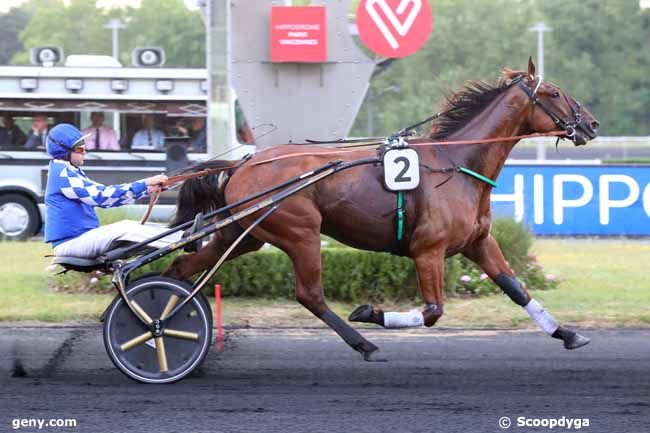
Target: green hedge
(355, 276)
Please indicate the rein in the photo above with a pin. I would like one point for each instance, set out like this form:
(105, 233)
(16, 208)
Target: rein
(183, 177)
(496, 139)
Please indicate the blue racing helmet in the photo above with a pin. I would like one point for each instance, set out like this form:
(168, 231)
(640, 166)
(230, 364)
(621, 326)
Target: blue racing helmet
(61, 139)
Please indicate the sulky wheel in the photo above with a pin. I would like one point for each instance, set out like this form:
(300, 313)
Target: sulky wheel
(185, 339)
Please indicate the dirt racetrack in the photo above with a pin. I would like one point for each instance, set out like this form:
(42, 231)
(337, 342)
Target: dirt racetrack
(294, 380)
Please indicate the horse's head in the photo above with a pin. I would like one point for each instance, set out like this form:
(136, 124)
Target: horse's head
(552, 109)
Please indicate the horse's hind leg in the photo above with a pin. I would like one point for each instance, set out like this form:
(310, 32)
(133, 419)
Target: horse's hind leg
(187, 265)
(306, 259)
(430, 265)
(487, 254)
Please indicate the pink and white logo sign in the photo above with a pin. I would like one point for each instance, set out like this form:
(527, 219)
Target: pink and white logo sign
(394, 28)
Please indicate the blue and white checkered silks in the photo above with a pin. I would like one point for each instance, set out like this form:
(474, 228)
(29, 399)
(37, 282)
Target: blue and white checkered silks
(72, 226)
(76, 186)
(71, 198)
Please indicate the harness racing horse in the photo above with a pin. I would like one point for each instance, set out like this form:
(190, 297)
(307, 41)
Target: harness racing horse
(445, 216)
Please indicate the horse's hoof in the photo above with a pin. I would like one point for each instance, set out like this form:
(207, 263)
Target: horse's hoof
(572, 340)
(575, 341)
(374, 356)
(361, 314)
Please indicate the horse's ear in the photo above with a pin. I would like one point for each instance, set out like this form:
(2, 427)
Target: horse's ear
(531, 68)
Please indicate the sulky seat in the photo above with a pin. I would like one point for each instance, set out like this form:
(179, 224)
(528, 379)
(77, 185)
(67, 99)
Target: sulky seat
(79, 264)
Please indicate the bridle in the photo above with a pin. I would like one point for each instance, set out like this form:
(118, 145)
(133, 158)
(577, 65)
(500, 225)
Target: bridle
(568, 125)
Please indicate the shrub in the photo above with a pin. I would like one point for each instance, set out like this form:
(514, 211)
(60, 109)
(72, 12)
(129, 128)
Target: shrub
(515, 241)
(351, 275)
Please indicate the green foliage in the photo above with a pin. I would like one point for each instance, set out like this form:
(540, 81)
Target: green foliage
(113, 215)
(170, 25)
(110, 216)
(11, 24)
(462, 47)
(351, 275)
(598, 51)
(612, 40)
(605, 278)
(79, 27)
(514, 240)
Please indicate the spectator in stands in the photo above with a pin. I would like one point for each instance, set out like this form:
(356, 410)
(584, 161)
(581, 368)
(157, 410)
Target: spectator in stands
(38, 134)
(11, 134)
(199, 137)
(148, 138)
(179, 129)
(98, 136)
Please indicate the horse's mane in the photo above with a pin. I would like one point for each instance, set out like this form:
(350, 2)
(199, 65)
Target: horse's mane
(461, 106)
(200, 194)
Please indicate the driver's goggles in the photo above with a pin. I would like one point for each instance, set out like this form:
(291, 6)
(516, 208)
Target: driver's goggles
(79, 148)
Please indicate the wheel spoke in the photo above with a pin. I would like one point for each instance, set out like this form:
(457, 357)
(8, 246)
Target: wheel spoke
(181, 334)
(162, 355)
(173, 300)
(141, 312)
(136, 341)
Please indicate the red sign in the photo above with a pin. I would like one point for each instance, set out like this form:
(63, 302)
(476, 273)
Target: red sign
(394, 28)
(298, 34)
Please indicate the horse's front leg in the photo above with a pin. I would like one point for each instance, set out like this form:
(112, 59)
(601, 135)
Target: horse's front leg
(430, 267)
(487, 254)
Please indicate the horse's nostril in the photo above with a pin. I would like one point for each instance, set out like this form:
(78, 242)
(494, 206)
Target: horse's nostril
(595, 124)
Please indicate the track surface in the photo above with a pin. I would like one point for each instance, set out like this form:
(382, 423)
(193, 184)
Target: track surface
(279, 380)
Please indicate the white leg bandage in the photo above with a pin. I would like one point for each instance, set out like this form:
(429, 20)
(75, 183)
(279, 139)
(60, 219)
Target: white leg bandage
(412, 319)
(539, 315)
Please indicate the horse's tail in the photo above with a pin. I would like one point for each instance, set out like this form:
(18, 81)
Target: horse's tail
(201, 194)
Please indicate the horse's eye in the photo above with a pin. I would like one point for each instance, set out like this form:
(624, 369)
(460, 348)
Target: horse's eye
(556, 94)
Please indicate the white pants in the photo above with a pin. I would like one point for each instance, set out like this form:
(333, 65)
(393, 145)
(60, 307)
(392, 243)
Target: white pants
(97, 241)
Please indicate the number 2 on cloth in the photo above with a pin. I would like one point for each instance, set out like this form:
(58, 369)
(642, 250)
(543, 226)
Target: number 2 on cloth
(401, 169)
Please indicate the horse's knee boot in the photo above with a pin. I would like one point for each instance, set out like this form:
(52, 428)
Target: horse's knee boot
(351, 337)
(431, 314)
(513, 288)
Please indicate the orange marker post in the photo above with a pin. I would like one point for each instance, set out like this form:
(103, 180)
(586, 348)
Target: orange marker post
(217, 304)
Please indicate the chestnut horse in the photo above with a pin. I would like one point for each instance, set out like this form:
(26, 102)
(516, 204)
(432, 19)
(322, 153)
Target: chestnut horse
(442, 218)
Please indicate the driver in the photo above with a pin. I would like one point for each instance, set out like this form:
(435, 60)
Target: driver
(71, 225)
